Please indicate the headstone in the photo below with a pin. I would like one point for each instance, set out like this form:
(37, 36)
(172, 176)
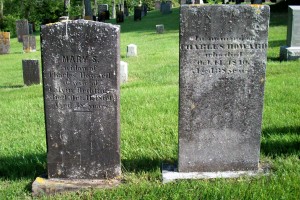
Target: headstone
(157, 5)
(29, 43)
(160, 28)
(31, 72)
(4, 42)
(30, 28)
(103, 10)
(131, 50)
(80, 62)
(22, 29)
(120, 17)
(222, 74)
(165, 7)
(137, 13)
(126, 12)
(123, 72)
(292, 50)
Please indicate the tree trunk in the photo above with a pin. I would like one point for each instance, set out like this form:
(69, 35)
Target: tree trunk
(1, 9)
(113, 9)
(66, 7)
(83, 9)
(95, 7)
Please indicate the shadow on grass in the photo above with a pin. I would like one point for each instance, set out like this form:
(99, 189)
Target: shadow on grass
(277, 43)
(280, 146)
(10, 86)
(140, 165)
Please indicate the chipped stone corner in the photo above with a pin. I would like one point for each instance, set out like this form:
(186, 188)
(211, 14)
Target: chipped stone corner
(45, 187)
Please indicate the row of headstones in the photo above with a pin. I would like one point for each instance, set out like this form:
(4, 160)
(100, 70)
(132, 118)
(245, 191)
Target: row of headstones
(165, 7)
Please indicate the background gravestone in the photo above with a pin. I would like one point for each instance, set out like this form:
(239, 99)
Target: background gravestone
(29, 43)
(81, 94)
(123, 72)
(22, 28)
(4, 42)
(131, 50)
(222, 74)
(31, 72)
(292, 50)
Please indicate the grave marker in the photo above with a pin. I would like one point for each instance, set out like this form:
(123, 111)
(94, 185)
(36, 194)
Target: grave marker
(31, 72)
(222, 73)
(131, 50)
(22, 28)
(29, 43)
(81, 94)
(4, 42)
(123, 72)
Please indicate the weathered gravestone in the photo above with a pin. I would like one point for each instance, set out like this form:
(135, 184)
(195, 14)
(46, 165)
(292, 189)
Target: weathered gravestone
(123, 72)
(160, 28)
(31, 72)
(103, 12)
(81, 92)
(29, 43)
(30, 28)
(165, 7)
(137, 13)
(4, 42)
(222, 74)
(131, 50)
(22, 28)
(292, 50)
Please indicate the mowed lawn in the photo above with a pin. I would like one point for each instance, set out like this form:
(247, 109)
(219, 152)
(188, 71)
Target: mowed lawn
(149, 122)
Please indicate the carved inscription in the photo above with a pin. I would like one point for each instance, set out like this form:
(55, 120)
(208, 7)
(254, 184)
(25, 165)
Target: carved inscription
(221, 56)
(81, 89)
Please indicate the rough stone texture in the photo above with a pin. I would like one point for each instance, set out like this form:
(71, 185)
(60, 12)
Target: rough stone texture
(160, 28)
(291, 51)
(4, 42)
(222, 74)
(131, 50)
(29, 43)
(81, 94)
(123, 72)
(22, 28)
(31, 72)
(103, 12)
(42, 186)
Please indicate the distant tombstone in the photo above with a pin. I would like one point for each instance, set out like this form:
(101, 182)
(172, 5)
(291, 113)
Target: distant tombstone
(103, 10)
(30, 28)
(137, 13)
(82, 102)
(29, 43)
(120, 17)
(22, 29)
(292, 50)
(31, 72)
(222, 75)
(126, 12)
(123, 72)
(160, 28)
(131, 50)
(4, 42)
(157, 5)
(165, 7)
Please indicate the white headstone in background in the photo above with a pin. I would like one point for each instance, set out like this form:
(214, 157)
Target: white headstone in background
(123, 72)
(131, 50)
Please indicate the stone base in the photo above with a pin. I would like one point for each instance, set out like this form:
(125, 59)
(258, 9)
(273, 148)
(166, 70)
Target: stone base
(44, 186)
(170, 173)
(289, 53)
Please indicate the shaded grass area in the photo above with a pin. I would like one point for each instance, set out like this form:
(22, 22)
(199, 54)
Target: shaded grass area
(149, 122)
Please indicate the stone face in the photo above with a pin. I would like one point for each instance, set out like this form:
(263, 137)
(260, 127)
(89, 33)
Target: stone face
(123, 72)
(81, 94)
(293, 30)
(222, 74)
(160, 28)
(4, 42)
(29, 43)
(22, 28)
(31, 72)
(131, 50)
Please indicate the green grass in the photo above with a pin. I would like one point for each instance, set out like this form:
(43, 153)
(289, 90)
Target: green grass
(149, 117)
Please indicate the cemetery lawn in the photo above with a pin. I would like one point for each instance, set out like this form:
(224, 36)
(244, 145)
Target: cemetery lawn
(149, 122)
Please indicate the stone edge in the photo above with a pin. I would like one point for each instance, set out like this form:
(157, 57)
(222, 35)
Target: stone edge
(170, 173)
(43, 186)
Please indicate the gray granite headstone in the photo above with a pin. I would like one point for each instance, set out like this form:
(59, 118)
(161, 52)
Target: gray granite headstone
(160, 28)
(22, 28)
(31, 72)
(80, 61)
(29, 43)
(222, 75)
(4, 42)
(292, 50)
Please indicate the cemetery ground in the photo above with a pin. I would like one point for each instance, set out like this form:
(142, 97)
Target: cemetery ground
(149, 122)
